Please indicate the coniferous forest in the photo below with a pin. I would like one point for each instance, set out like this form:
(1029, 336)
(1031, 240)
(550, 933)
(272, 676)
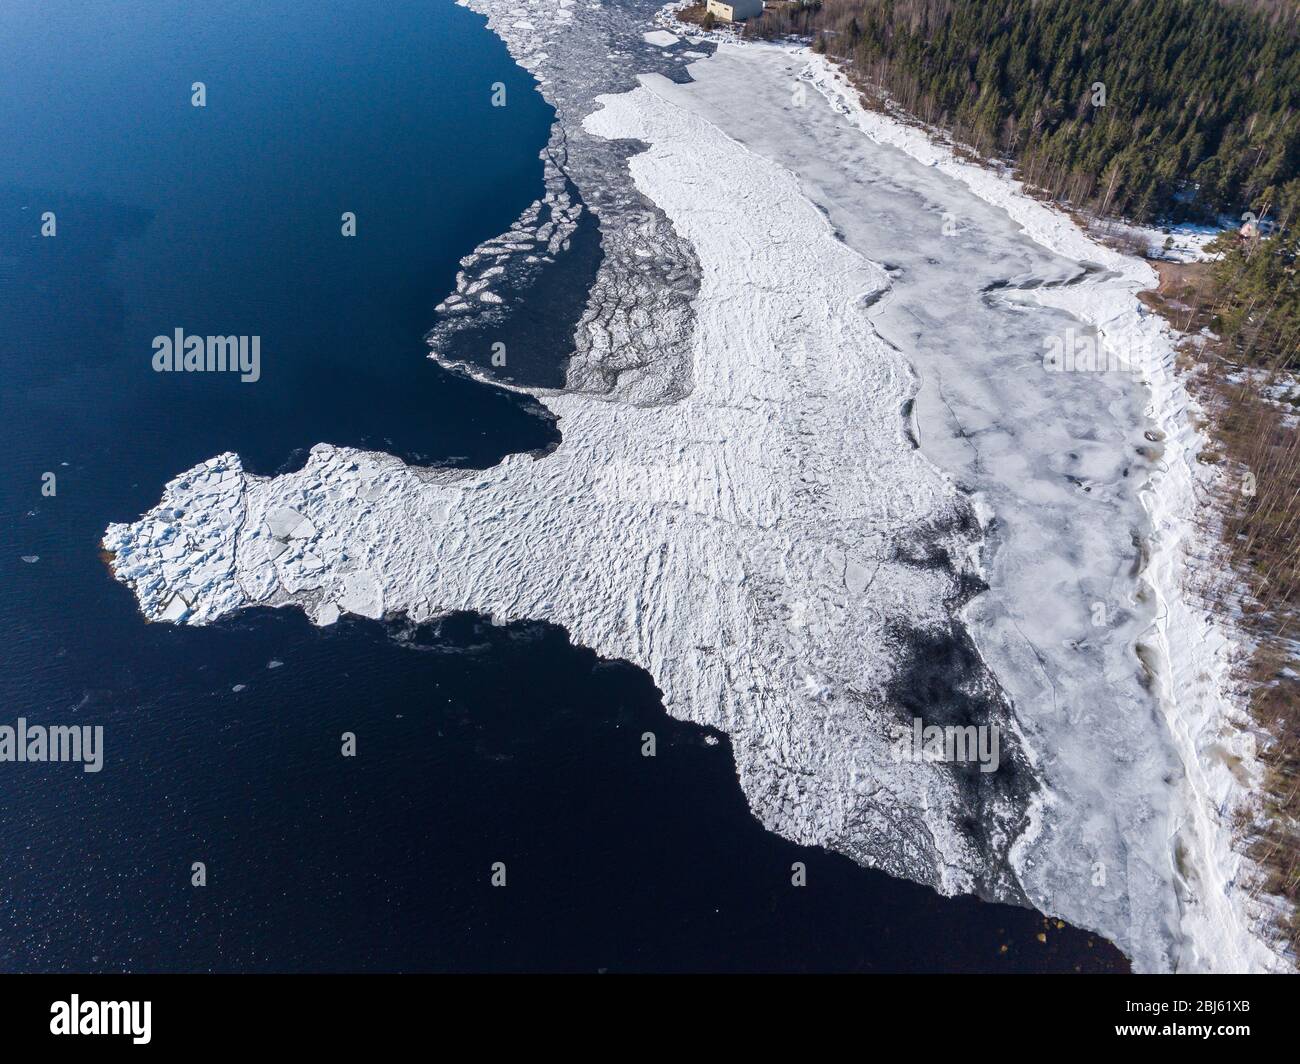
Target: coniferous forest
(1150, 109)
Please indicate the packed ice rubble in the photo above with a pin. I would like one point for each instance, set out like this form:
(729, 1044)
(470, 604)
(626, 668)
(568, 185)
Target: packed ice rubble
(634, 337)
(536, 239)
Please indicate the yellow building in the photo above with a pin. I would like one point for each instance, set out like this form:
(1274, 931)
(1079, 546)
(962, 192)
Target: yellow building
(735, 10)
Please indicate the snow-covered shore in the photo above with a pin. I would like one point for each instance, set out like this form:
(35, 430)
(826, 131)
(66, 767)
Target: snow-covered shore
(757, 542)
(1189, 649)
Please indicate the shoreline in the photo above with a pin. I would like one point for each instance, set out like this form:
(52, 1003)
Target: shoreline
(1197, 703)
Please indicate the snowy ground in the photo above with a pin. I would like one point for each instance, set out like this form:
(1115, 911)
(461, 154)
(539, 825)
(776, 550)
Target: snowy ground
(1186, 652)
(745, 512)
(1172, 243)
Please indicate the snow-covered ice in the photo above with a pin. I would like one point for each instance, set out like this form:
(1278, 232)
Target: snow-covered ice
(832, 423)
(759, 534)
(1185, 651)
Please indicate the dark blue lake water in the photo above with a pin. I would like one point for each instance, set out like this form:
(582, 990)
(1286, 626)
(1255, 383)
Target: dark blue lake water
(475, 745)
